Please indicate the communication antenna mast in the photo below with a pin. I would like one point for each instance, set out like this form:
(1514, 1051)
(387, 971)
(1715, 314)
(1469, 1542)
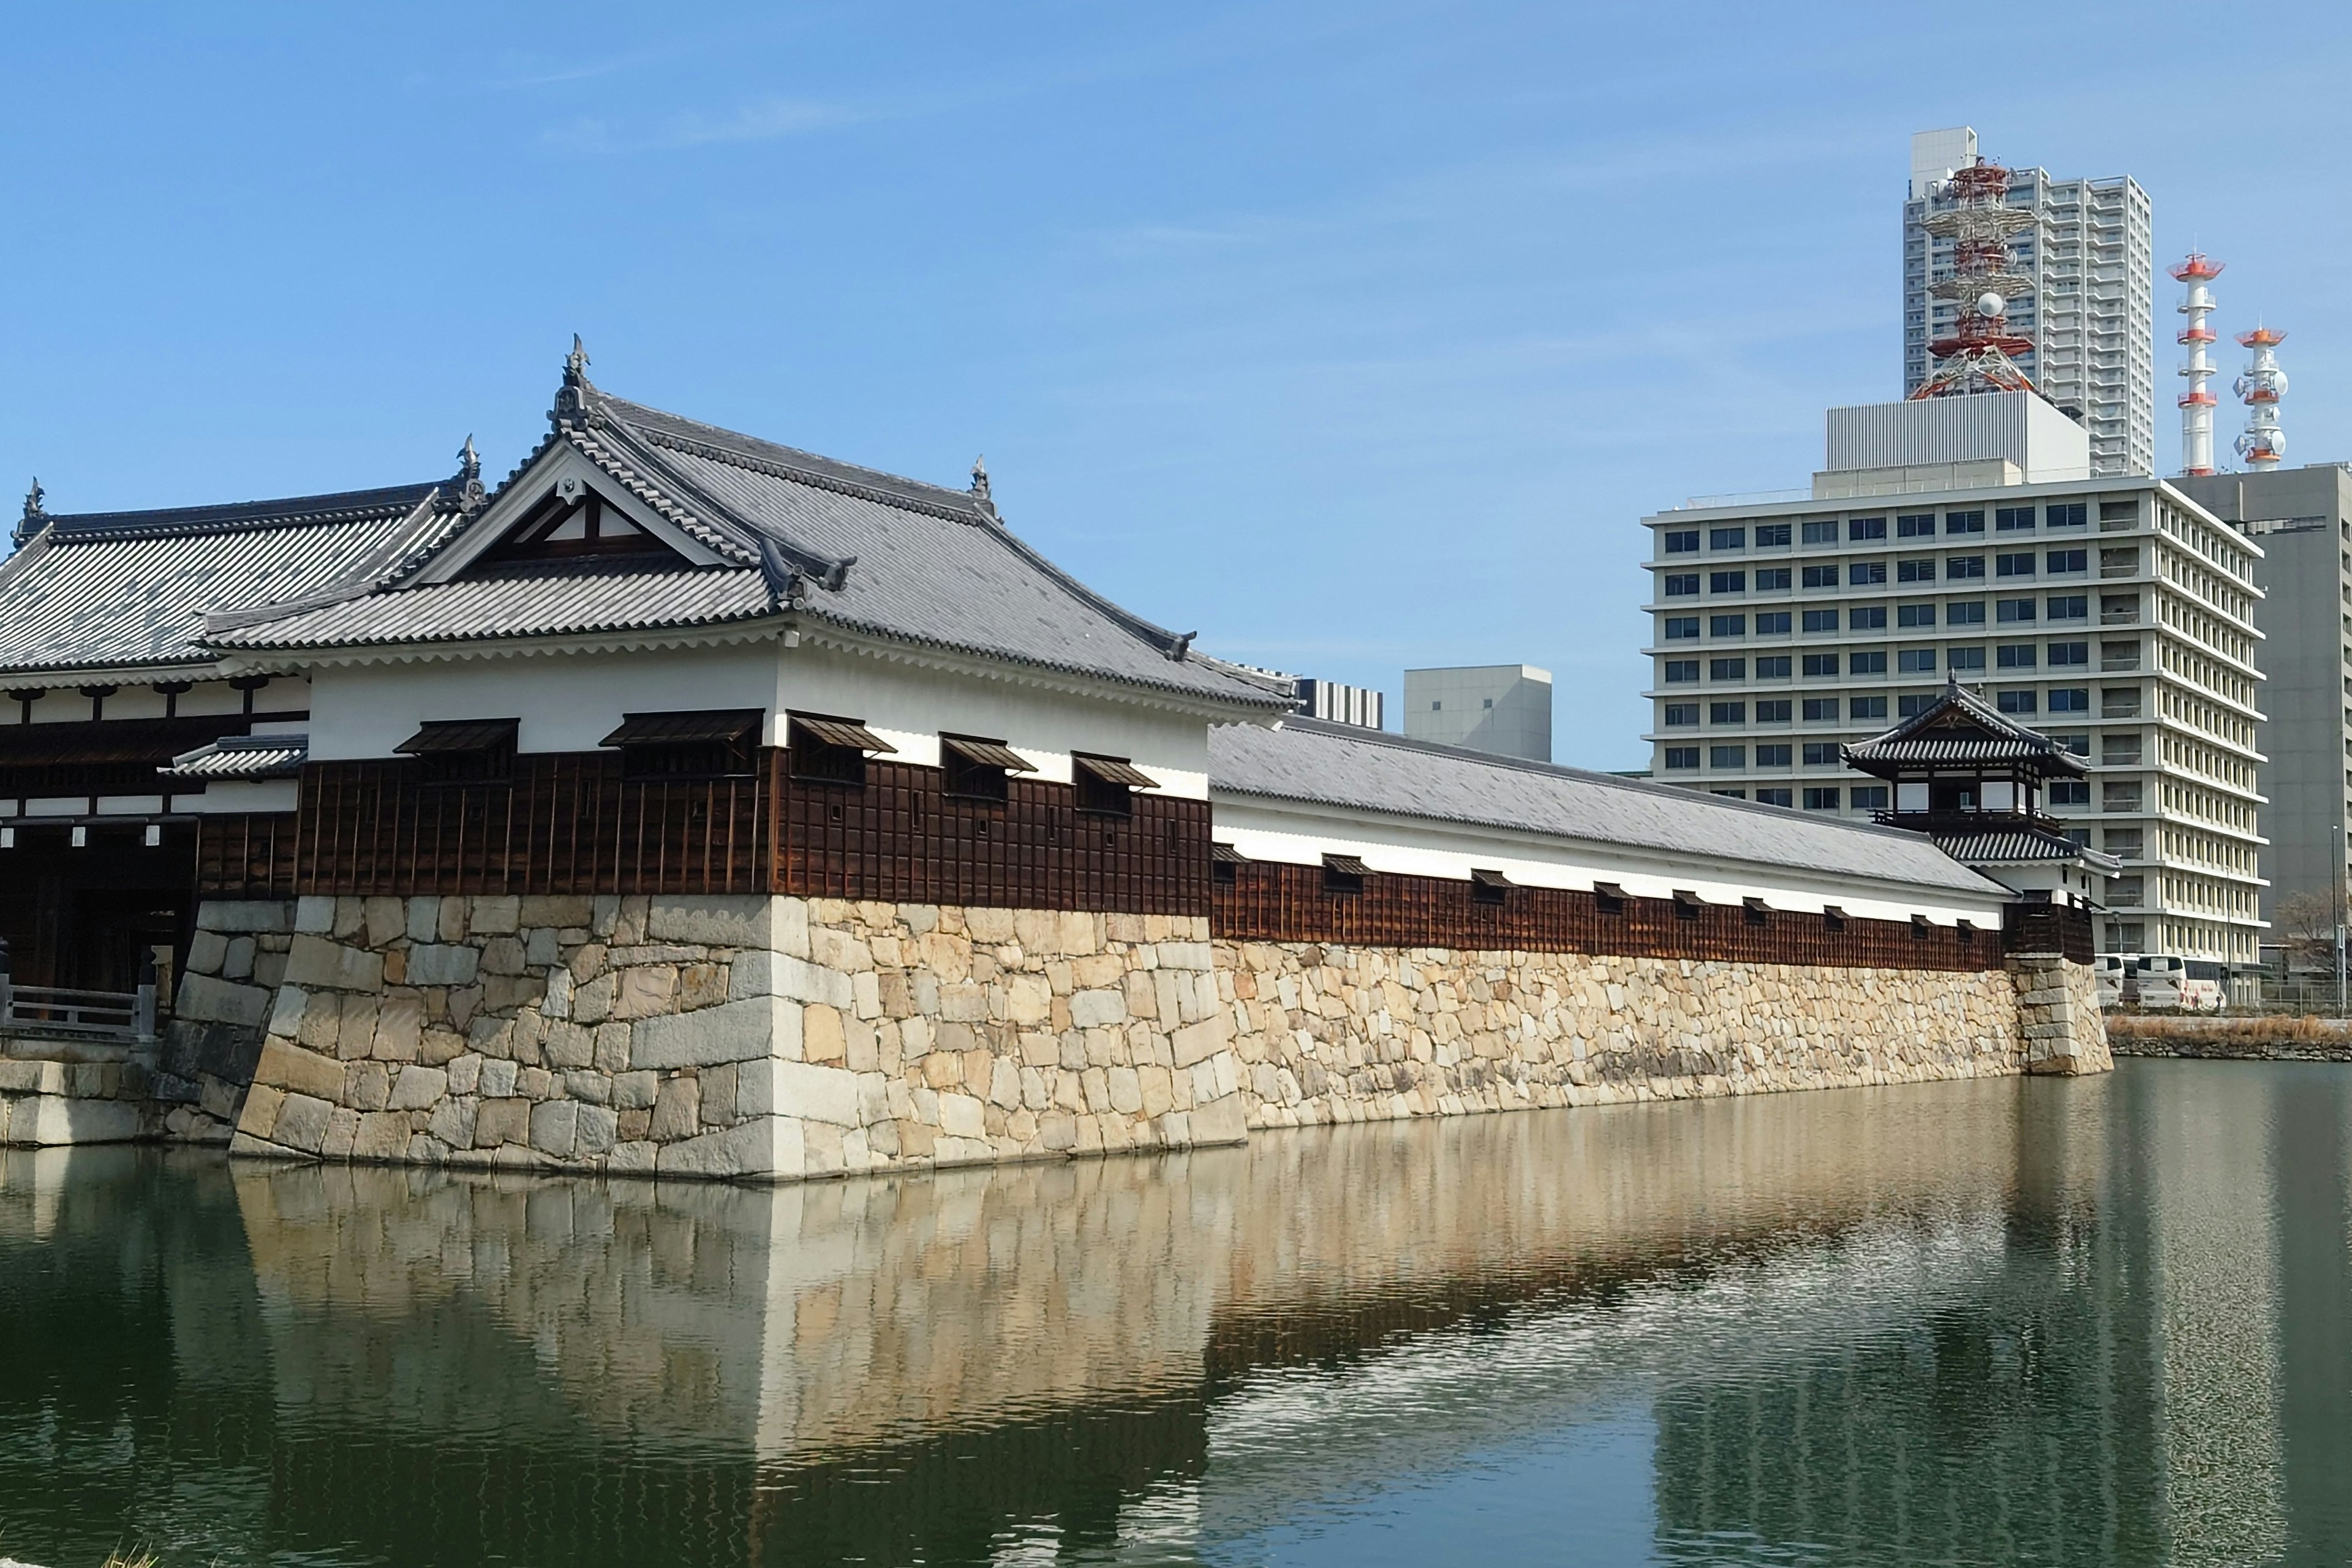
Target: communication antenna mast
(2262, 444)
(2198, 402)
(1971, 209)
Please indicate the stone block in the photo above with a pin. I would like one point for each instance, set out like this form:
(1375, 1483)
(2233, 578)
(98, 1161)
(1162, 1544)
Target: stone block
(206, 951)
(497, 1121)
(423, 919)
(1097, 1009)
(435, 963)
(635, 1090)
(495, 915)
(1199, 1042)
(381, 1135)
(598, 1131)
(645, 992)
(367, 1086)
(449, 923)
(315, 914)
(259, 1117)
(1223, 1121)
(317, 964)
(399, 1027)
(711, 919)
(440, 1047)
(763, 974)
(814, 1093)
(592, 1002)
(205, 999)
(419, 1088)
(750, 1149)
(554, 1127)
(287, 1065)
(735, 1031)
(555, 909)
(453, 1124)
(285, 1013)
(678, 1111)
(498, 1078)
(256, 915)
(302, 1124)
(355, 1033)
(822, 1037)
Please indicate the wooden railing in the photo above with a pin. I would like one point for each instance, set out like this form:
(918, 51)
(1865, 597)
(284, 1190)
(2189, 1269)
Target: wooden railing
(127, 1017)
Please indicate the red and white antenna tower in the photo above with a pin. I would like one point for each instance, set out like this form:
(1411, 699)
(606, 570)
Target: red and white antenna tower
(2198, 402)
(2262, 444)
(1971, 209)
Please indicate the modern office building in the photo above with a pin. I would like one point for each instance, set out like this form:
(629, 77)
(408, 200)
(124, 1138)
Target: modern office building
(1964, 537)
(1504, 708)
(2091, 313)
(2302, 519)
(1359, 705)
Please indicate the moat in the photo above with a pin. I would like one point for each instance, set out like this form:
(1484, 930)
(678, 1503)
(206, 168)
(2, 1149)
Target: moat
(2011, 1321)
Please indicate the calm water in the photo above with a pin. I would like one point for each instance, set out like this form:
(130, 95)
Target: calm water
(2107, 1321)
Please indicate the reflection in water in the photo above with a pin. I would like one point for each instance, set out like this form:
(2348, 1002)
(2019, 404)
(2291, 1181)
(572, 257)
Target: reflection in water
(2064, 1323)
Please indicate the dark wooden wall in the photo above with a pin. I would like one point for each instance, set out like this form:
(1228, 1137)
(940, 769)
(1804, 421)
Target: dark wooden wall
(1269, 902)
(245, 855)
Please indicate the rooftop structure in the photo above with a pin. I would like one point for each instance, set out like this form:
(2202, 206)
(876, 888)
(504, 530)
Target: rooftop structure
(2197, 302)
(2087, 318)
(1504, 708)
(2263, 445)
(1359, 705)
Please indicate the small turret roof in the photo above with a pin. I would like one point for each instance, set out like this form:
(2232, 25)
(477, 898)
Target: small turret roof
(1960, 731)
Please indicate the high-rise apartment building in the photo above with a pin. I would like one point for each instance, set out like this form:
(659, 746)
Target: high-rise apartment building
(2302, 518)
(1504, 708)
(2091, 312)
(1965, 537)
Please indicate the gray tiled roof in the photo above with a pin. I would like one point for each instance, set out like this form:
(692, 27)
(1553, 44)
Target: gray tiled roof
(1961, 729)
(241, 757)
(132, 589)
(865, 550)
(1339, 764)
(2006, 845)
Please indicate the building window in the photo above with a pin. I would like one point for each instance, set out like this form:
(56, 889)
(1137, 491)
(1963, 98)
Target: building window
(2121, 512)
(462, 752)
(1726, 583)
(1681, 584)
(2014, 701)
(1772, 624)
(1727, 539)
(2062, 561)
(1819, 665)
(1772, 756)
(2065, 653)
(659, 747)
(2119, 750)
(1866, 528)
(1775, 797)
(830, 749)
(1964, 522)
(2120, 795)
(1866, 618)
(1772, 579)
(1914, 704)
(1726, 626)
(1821, 620)
(2123, 842)
(1822, 533)
(2013, 610)
(1678, 628)
(2119, 702)
(1963, 568)
(1772, 666)
(1821, 799)
(2069, 608)
(1727, 758)
(1865, 573)
(1768, 534)
(1679, 670)
(2066, 514)
(1919, 571)
(979, 769)
(1917, 525)
(2069, 699)
(1344, 875)
(2069, 792)
(1489, 888)
(1916, 661)
(1820, 576)
(1821, 709)
(1727, 712)
(1607, 897)
(1867, 661)
(1772, 712)
(1914, 615)
(1681, 756)
(1822, 754)
(1679, 714)
(1866, 707)
(1727, 670)
(1682, 541)
(2018, 564)
(2012, 520)
(1965, 613)
(2014, 656)
(1106, 785)
(2119, 655)
(1870, 797)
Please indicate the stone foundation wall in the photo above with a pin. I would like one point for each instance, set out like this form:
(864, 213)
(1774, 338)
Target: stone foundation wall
(749, 1036)
(1334, 1033)
(787, 1036)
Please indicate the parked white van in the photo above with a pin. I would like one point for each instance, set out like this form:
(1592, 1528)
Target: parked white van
(2153, 981)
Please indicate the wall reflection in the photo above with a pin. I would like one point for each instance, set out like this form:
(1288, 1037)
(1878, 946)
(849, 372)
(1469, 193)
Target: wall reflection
(1964, 1322)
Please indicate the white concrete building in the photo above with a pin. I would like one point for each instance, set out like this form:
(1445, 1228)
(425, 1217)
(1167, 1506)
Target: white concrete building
(2092, 313)
(2114, 613)
(1504, 708)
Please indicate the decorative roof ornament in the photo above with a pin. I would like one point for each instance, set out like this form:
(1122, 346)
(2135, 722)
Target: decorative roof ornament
(470, 494)
(35, 514)
(979, 477)
(572, 398)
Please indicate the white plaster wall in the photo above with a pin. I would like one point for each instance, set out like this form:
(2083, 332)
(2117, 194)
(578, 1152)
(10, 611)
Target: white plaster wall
(571, 701)
(1303, 835)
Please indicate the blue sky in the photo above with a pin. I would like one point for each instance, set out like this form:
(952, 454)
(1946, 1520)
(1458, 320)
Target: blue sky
(1356, 336)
